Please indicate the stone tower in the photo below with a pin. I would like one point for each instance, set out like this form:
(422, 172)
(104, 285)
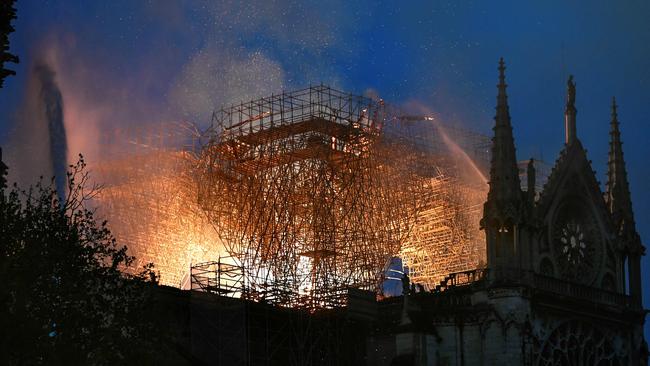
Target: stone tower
(504, 211)
(619, 204)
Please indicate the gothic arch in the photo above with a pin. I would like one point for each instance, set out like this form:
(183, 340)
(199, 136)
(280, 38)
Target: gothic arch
(577, 343)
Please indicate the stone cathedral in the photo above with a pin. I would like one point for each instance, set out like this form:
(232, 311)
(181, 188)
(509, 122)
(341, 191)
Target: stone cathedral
(562, 285)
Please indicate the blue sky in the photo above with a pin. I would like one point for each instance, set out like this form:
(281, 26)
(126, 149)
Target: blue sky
(144, 61)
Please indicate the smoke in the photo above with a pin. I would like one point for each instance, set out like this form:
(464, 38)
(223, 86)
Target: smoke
(39, 143)
(214, 78)
(95, 95)
(199, 57)
(52, 101)
(68, 105)
(131, 138)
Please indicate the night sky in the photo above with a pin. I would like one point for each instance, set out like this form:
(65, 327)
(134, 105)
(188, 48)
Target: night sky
(127, 62)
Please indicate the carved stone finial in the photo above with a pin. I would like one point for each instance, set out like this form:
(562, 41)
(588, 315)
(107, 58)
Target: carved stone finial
(531, 180)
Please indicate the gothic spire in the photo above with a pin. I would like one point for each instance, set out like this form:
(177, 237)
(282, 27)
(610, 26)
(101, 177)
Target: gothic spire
(570, 113)
(504, 174)
(505, 208)
(618, 197)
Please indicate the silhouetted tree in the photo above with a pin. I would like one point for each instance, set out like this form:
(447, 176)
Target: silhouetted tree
(68, 292)
(3, 173)
(7, 15)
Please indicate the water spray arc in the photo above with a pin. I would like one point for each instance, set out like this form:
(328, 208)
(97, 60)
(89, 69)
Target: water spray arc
(445, 238)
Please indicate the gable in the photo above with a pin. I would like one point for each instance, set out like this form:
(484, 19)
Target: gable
(572, 196)
(573, 176)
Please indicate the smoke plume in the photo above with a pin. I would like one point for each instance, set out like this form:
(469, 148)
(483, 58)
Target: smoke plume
(52, 102)
(39, 144)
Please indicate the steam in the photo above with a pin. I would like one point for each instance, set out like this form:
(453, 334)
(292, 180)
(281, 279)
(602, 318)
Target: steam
(115, 102)
(39, 146)
(111, 114)
(469, 167)
(212, 79)
(52, 101)
(474, 172)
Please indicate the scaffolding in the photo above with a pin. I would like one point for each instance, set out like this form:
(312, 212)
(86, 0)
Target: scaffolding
(223, 277)
(149, 197)
(307, 194)
(446, 237)
(303, 194)
(452, 162)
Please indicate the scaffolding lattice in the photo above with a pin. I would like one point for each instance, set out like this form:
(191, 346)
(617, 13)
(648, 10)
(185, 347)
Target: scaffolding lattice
(307, 194)
(446, 237)
(452, 161)
(149, 198)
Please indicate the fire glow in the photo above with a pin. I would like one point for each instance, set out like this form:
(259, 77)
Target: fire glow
(152, 201)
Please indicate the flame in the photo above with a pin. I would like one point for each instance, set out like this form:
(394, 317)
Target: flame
(149, 204)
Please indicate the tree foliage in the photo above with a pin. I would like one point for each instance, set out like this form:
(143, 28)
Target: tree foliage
(7, 15)
(68, 292)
